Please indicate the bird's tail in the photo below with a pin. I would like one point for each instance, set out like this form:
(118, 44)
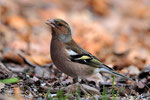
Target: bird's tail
(121, 75)
(114, 73)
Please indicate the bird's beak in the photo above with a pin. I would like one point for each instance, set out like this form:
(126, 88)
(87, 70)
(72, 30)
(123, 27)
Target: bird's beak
(51, 23)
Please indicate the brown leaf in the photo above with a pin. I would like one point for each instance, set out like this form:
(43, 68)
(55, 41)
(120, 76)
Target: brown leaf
(99, 6)
(17, 94)
(12, 57)
(17, 22)
(38, 59)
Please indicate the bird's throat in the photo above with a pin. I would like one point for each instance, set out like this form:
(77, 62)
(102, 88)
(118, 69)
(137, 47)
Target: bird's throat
(65, 38)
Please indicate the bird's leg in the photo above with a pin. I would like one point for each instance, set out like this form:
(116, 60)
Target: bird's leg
(78, 80)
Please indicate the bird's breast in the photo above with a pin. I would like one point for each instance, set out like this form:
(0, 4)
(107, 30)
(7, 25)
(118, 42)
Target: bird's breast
(60, 56)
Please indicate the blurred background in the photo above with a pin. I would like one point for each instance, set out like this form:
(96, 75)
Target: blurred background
(116, 31)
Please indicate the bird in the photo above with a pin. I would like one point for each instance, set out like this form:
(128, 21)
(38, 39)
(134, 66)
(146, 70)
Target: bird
(69, 57)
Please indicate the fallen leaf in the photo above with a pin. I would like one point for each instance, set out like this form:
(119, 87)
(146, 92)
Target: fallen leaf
(38, 59)
(17, 94)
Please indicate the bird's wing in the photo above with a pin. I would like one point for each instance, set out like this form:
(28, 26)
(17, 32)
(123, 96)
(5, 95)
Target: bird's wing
(87, 59)
(79, 55)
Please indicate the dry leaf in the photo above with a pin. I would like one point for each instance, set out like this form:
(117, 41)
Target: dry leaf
(12, 57)
(38, 59)
(17, 94)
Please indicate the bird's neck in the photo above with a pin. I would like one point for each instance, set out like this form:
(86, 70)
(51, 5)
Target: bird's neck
(65, 38)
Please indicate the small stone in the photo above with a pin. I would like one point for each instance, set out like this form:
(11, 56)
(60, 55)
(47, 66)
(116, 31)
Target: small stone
(90, 89)
(35, 79)
(43, 84)
(133, 70)
(2, 85)
(4, 72)
(29, 82)
(42, 72)
(140, 85)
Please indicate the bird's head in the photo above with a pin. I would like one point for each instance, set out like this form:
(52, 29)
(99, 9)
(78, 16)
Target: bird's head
(60, 29)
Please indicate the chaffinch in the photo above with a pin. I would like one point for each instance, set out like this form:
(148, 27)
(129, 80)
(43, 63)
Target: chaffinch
(69, 57)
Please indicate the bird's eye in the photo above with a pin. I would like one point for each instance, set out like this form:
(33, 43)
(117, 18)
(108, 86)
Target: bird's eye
(60, 24)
